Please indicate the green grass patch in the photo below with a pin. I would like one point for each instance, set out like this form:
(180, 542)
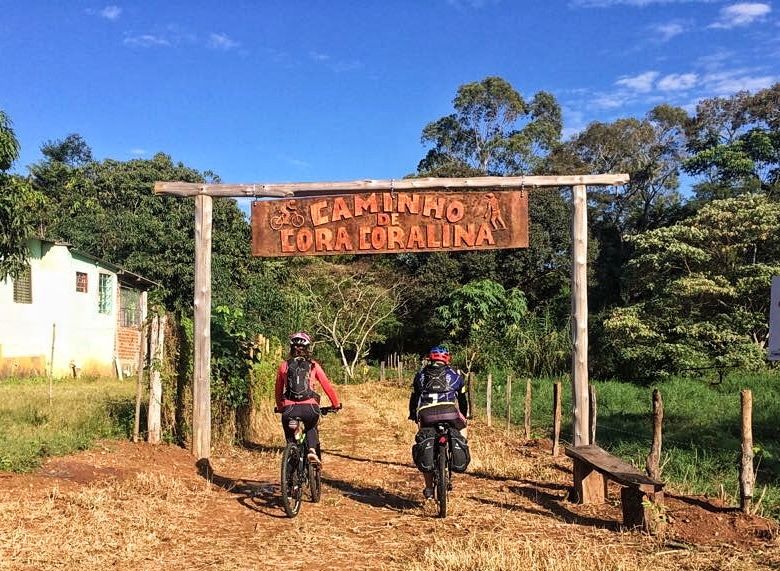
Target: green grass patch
(702, 439)
(82, 411)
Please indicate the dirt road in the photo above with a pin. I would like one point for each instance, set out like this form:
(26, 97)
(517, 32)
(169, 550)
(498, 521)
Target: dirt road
(128, 506)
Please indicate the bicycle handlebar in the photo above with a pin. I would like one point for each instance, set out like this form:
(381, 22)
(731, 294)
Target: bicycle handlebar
(328, 409)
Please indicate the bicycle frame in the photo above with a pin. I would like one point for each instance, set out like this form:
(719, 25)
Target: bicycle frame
(442, 474)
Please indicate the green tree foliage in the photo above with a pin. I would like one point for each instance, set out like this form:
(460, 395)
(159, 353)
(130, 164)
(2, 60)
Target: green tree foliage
(485, 133)
(735, 144)
(702, 291)
(476, 316)
(19, 206)
(351, 311)
(107, 208)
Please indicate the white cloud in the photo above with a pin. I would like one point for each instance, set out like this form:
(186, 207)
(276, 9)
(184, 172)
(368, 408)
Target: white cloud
(637, 3)
(146, 41)
(111, 12)
(222, 42)
(666, 32)
(678, 81)
(138, 152)
(317, 56)
(641, 83)
(742, 14)
(730, 82)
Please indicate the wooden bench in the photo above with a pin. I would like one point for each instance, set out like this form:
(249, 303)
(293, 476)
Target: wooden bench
(593, 467)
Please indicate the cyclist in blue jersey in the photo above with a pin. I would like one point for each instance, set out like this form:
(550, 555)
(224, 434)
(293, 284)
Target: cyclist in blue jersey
(438, 395)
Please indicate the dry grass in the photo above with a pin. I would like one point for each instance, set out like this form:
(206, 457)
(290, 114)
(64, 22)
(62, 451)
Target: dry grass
(100, 526)
(509, 512)
(534, 552)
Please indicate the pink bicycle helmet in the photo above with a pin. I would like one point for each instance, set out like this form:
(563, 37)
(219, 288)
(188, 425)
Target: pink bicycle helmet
(300, 338)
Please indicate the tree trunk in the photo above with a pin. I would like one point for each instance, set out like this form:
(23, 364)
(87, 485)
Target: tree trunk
(654, 458)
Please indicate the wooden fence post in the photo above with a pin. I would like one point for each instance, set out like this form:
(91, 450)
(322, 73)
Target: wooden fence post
(508, 401)
(139, 381)
(382, 372)
(154, 422)
(746, 476)
(652, 466)
(400, 370)
(51, 363)
(469, 392)
(556, 419)
(489, 403)
(527, 419)
(592, 414)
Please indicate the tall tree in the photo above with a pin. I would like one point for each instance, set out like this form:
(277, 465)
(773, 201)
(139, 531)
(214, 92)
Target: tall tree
(493, 130)
(701, 291)
(735, 144)
(19, 206)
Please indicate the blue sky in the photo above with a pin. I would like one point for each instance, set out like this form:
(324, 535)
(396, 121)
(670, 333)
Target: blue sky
(340, 90)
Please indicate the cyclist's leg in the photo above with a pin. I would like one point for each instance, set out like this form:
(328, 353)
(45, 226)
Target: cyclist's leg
(288, 413)
(310, 414)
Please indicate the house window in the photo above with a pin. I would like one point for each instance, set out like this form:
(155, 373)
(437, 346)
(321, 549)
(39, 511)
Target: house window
(129, 307)
(81, 282)
(105, 293)
(23, 286)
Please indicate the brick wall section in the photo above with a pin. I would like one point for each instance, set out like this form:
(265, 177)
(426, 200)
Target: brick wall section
(128, 342)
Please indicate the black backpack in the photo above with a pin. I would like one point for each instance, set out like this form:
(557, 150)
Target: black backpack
(297, 386)
(435, 380)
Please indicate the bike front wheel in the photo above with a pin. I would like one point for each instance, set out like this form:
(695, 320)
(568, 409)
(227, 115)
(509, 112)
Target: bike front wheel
(292, 480)
(442, 479)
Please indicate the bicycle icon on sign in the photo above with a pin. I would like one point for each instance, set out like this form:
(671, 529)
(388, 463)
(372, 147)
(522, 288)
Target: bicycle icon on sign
(287, 215)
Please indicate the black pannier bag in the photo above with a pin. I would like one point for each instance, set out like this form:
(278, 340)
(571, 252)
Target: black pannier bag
(424, 450)
(460, 456)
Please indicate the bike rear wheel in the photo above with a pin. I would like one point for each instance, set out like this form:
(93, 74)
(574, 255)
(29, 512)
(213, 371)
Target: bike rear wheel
(315, 484)
(292, 480)
(442, 479)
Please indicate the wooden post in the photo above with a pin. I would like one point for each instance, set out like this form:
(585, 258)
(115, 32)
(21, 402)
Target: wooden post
(51, 363)
(508, 401)
(593, 413)
(400, 370)
(579, 313)
(154, 422)
(139, 380)
(746, 476)
(556, 419)
(489, 399)
(201, 386)
(469, 391)
(527, 419)
(652, 466)
(382, 372)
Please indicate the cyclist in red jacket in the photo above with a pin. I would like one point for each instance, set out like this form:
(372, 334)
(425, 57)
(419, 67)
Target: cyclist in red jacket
(295, 395)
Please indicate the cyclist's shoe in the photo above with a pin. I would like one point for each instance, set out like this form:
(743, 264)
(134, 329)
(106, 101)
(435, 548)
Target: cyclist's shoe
(428, 493)
(312, 457)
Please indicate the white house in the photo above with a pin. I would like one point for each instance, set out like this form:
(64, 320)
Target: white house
(69, 314)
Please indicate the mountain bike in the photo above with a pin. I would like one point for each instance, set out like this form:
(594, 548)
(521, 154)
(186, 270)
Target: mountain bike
(442, 473)
(297, 472)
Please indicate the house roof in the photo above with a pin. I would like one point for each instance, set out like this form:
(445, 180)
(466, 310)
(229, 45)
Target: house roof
(123, 275)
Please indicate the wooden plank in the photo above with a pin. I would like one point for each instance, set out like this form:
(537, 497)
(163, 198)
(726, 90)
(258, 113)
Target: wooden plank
(385, 222)
(579, 313)
(201, 385)
(614, 467)
(269, 189)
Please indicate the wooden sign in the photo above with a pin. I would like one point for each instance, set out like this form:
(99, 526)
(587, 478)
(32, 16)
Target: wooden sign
(390, 222)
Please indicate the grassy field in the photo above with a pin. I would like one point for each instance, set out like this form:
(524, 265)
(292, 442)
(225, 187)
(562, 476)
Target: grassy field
(701, 445)
(81, 412)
